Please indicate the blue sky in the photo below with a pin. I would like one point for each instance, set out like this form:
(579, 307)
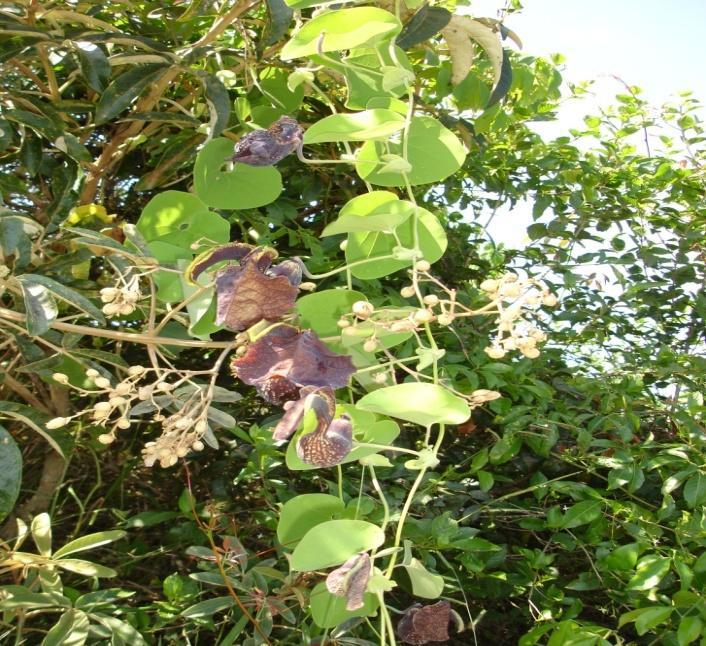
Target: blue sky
(658, 45)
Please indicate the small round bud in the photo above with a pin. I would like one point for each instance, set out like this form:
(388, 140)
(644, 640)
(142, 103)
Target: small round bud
(494, 352)
(380, 378)
(431, 300)
(343, 245)
(343, 323)
(102, 406)
(61, 378)
(164, 386)
(109, 294)
(135, 371)
(123, 423)
(111, 309)
(530, 353)
(423, 316)
(181, 451)
(490, 285)
(307, 287)
(402, 326)
(348, 331)
(102, 382)
(201, 426)
(106, 438)
(117, 401)
(241, 350)
(445, 319)
(122, 388)
(511, 290)
(197, 446)
(184, 423)
(362, 309)
(550, 300)
(510, 277)
(407, 292)
(370, 345)
(422, 265)
(57, 422)
(144, 393)
(92, 373)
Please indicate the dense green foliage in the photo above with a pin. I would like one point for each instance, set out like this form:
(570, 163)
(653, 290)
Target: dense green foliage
(568, 510)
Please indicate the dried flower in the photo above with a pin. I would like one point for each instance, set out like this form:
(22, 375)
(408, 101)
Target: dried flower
(424, 624)
(350, 580)
(121, 300)
(267, 147)
(286, 359)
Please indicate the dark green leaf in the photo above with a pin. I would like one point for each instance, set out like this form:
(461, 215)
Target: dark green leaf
(94, 65)
(423, 25)
(125, 89)
(67, 294)
(218, 102)
(280, 18)
(40, 307)
(502, 87)
(10, 472)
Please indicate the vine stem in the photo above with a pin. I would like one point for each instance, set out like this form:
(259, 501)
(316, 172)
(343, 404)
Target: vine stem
(403, 516)
(144, 339)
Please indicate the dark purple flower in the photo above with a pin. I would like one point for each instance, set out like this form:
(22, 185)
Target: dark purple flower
(267, 147)
(424, 624)
(251, 290)
(286, 359)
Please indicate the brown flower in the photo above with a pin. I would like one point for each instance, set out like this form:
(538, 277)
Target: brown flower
(287, 359)
(424, 624)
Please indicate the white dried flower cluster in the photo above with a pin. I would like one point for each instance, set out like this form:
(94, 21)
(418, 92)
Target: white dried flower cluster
(182, 433)
(121, 300)
(514, 297)
(117, 399)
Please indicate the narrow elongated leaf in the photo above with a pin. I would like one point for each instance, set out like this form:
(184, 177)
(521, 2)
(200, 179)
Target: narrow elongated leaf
(70, 630)
(89, 542)
(17, 596)
(120, 630)
(41, 533)
(86, 568)
(10, 472)
(36, 420)
(40, 307)
(125, 89)
(218, 102)
(695, 490)
(280, 18)
(208, 607)
(67, 294)
(94, 65)
(423, 25)
(504, 82)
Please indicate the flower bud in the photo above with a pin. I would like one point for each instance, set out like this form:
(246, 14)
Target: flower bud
(92, 373)
(422, 265)
(122, 388)
(370, 345)
(431, 300)
(102, 382)
(511, 290)
(407, 292)
(550, 300)
(117, 401)
(307, 287)
(106, 438)
(197, 446)
(510, 277)
(123, 423)
(530, 353)
(111, 309)
(445, 319)
(61, 378)
(423, 316)
(135, 371)
(490, 285)
(342, 247)
(109, 294)
(494, 352)
(102, 406)
(362, 309)
(57, 422)
(201, 427)
(343, 323)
